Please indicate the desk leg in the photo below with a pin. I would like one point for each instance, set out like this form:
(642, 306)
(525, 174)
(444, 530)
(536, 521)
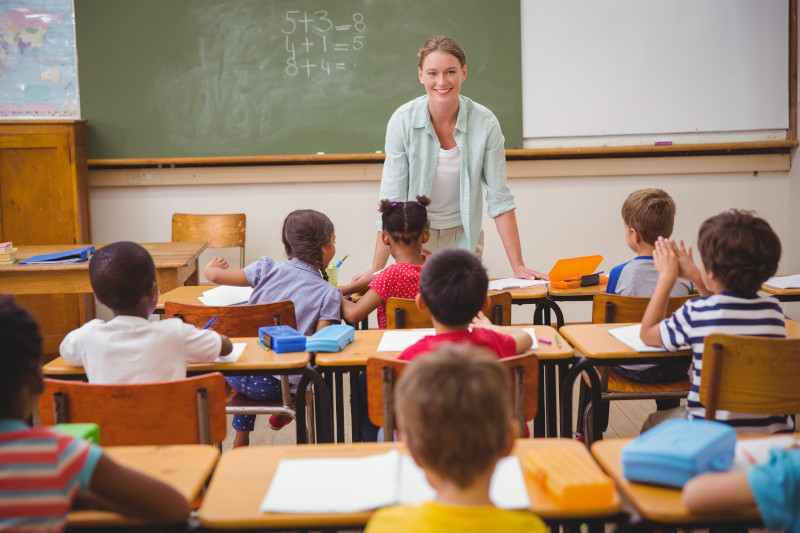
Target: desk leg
(539, 421)
(541, 315)
(552, 402)
(339, 403)
(566, 397)
(355, 415)
(324, 409)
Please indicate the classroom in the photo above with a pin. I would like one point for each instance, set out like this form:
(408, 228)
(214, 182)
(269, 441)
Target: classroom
(567, 195)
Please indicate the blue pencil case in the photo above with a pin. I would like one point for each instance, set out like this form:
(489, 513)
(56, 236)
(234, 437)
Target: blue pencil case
(676, 450)
(332, 338)
(282, 339)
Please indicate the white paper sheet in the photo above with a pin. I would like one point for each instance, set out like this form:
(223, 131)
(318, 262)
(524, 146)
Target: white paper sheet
(784, 282)
(236, 353)
(226, 295)
(399, 340)
(514, 283)
(758, 449)
(532, 333)
(629, 335)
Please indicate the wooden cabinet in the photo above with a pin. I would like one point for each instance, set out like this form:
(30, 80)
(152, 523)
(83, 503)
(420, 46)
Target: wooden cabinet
(44, 199)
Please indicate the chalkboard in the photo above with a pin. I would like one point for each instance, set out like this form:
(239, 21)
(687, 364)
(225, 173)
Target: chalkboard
(205, 78)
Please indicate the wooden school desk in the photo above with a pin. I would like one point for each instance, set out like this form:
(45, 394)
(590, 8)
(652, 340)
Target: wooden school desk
(185, 467)
(660, 507)
(243, 476)
(783, 295)
(176, 264)
(353, 359)
(255, 360)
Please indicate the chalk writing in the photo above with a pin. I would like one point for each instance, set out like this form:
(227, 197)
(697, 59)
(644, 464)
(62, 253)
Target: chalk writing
(314, 43)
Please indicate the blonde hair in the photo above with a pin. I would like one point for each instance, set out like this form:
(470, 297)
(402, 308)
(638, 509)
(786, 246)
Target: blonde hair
(651, 212)
(442, 44)
(454, 409)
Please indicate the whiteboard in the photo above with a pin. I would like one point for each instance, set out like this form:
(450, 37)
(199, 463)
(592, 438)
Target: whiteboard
(598, 68)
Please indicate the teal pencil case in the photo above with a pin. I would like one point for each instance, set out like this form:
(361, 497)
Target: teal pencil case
(332, 338)
(282, 339)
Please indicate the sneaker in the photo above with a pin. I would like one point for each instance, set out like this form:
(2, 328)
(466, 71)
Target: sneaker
(278, 422)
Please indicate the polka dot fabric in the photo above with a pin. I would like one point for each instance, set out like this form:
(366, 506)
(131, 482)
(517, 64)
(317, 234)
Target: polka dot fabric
(400, 280)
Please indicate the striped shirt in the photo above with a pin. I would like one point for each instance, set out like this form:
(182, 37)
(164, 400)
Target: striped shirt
(731, 314)
(40, 472)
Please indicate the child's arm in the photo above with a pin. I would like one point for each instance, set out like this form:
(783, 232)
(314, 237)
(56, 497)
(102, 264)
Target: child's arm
(324, 323)
(227, 345)
(136, 494)
(359, 286)
(355, 312)
(687, 269)
(217, 271)
(521, 338)
(666, 262)
(718, 492)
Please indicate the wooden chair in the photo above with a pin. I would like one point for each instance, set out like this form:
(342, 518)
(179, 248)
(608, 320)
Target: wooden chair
(244, 321)
(188, 411)
(755, 375)
(219, 231)
(403, 313)
(611, 309)
(382, 374)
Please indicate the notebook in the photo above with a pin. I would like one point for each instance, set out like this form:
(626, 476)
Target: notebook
(78, 255)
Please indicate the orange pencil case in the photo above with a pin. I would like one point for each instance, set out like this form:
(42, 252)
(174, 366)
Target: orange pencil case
(576, 272)
(572, 480)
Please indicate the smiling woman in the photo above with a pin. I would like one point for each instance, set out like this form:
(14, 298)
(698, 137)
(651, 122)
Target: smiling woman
(445, 146)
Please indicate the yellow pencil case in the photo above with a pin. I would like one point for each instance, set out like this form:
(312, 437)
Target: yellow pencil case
(569, 478)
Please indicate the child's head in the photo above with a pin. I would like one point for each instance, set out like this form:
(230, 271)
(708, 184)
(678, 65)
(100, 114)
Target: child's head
(454, 410)
(651, 212)
(20, 359)
(453, 285)
(405, 222)
(123, 275)
(739, 249)
(308, 236)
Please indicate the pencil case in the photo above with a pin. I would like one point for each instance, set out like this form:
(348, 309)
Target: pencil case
(676, 450)
(332, 338)
(569, 478)
(83, 430)
(282, 339)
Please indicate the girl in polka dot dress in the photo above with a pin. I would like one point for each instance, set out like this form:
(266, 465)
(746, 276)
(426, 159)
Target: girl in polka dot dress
(405, 230)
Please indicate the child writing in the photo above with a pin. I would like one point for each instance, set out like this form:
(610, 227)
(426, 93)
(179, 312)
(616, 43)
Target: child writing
(405, 230)
(44, 471)
(309, 241)
(773, 487)
(129, 348)
(454, 412)
(739, 252)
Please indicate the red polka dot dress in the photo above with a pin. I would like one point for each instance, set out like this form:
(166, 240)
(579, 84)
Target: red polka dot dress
(400, 280)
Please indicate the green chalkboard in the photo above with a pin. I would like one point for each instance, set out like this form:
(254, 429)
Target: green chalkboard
(206, 78)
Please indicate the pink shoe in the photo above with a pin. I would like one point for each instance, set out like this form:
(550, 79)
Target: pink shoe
(278, 422)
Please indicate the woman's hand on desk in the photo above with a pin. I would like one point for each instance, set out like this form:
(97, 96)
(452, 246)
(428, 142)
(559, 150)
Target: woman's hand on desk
(523, 272)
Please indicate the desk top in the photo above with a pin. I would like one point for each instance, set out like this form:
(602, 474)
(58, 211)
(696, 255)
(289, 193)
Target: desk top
(658, 504)
(780, 292)
(254, 358)
(185, 467)
(187, 294)
(243, 475)
(577, 292)
(594, 341)
(525, 293)
(366, 344)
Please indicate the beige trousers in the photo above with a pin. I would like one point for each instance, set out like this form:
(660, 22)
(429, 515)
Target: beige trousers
(449, 238)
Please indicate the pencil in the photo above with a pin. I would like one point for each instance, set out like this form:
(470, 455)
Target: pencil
(558, 342)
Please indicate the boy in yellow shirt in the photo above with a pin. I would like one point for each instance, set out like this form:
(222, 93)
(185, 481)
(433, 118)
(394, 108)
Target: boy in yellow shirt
(454, 412)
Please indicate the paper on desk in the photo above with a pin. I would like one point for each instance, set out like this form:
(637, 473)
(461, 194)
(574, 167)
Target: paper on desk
(399, 340)
(514, 283)
(226, 295)
(236, 353)
(784, 282)
(532, 333)
(629, 335)
(759, 449)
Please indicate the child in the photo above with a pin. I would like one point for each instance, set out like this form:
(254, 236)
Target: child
(774, 487)
(43, 470)
(405, 230)
(454, 412)
(129, 348)
(453, 288)
(647, 214)
(739, 251)
(309, 241)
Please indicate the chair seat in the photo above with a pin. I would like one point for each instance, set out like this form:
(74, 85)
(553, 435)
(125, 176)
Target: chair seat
(619, 384)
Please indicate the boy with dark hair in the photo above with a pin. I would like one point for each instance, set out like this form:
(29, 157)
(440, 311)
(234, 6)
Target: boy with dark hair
(454, 412)
(739, 252)
(129, 348)
(453, 288)
(43, 470)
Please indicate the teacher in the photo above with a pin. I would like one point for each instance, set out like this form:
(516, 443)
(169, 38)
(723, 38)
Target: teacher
(445, 146)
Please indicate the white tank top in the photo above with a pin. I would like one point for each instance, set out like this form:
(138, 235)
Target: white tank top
(444, 211)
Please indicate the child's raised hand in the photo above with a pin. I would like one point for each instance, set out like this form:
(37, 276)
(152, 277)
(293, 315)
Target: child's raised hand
(218, 262)
(665, 257)
(687, 269)
(481, 321)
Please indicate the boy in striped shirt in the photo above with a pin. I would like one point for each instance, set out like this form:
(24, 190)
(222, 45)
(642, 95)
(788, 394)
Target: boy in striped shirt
(43, 471)
(739, 252)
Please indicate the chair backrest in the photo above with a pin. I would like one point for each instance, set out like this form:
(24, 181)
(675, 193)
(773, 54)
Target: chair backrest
(613, 308)
(382, 374)
(745, 374)
(403, 313)
(188, 411)
(219, 231)
(236, 320)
